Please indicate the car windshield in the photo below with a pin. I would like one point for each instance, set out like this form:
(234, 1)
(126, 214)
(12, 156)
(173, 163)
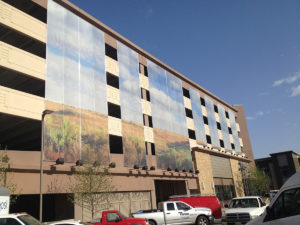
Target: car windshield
(244, 203)
(29, 220)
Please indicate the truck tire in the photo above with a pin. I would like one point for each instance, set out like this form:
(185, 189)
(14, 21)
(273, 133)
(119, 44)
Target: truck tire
(151, 222)
(202, 220)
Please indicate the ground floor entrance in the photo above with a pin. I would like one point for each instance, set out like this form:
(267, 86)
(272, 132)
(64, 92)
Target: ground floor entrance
(166, 188)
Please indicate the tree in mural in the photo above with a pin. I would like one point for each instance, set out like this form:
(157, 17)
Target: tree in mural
(91, 186)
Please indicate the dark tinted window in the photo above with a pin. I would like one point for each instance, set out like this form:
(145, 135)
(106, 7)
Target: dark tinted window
(111, 52)
(115, 144)
(188, 113)
(202, 101)
(186, 93)
(170, 206)
(192, 134)
(216, 109)
(205, 120)
(232, 146)
(152, 149)
(227, 115)
(145, 94)
(147, 120)
(208, 139)
(222, 143)
(114, 110)
(9, 221)
(229, 130)
(112, 80)
(218, 125)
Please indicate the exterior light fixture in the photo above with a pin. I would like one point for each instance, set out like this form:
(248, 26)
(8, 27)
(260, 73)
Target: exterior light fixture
(191, 171)
(197, 171)
(112, 165)
(60, 161)
(79, 163)
(136, 167)
(183, 170)
(169, 169)
(145, 167)
(152, 168)
(96, 163)
(176, 170)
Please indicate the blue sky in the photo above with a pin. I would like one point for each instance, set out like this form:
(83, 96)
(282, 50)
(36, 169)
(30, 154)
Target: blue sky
(246, 52)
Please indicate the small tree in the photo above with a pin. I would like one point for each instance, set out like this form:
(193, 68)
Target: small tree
(258, 182)
(91, 186)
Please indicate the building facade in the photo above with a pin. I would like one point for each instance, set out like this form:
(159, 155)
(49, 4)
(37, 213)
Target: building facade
(279, 167)
(110, 101)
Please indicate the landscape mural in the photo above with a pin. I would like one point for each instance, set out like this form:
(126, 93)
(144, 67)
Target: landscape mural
(75, 89)
(131, 107)
(169, 120)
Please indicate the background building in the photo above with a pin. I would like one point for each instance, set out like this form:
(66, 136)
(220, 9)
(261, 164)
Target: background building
(279, 167)
(111, 102)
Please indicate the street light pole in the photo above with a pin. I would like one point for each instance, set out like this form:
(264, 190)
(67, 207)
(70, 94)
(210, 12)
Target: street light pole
(45, 112)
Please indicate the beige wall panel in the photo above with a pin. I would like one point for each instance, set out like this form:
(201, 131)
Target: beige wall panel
(237, 177)
(190, 123)
(238, 127)
(205, 177)
(148, 133)
(21, 104)
(228, 122)
(144, 82)
(22, 22)
(113, 95)
(217, 117)
(203, 110)
(111, 66)
(110, 40)
(146, 107)
(142, 60)
(22, 61)
(241, 142)
(231, 138)
(187, 103)
(193, 143)
(220, 134)
(114, 126)
(206, 127)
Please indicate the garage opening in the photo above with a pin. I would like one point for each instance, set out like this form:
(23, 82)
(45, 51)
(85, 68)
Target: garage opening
(166, 188)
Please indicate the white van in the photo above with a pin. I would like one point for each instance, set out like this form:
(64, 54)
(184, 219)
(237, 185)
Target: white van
(284, 208)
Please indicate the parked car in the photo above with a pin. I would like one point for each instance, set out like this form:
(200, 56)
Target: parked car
(68, 222)
(176, 212)
(113, 217)
(284, 207)
(243, 209)
(198, 200)
(18, 219)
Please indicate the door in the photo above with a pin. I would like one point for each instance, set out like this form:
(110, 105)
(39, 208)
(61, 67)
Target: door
(172, 215)
(184, 212)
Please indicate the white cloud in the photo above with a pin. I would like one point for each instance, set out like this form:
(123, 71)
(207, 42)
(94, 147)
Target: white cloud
(250, 118)
(260, 113)
(295, 91)
(287, 80)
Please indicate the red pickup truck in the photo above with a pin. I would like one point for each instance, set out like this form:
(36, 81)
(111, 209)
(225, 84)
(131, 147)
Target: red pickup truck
(113, 217)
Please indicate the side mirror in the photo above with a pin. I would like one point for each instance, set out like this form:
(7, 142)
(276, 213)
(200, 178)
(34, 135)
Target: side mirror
(226, 205)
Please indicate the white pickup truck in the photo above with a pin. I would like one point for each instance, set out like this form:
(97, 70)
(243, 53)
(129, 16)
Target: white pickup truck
(176, 212)
(243, 209)
(18, 219)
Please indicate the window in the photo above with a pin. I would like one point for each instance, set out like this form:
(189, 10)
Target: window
(216, 109)
(189, 113)
(182, 206)
(232, 146)
(143, 69)
(111, 52)
(222, 143)
(205, 120)
(226, 114)
(113, 217)
(202, 100)
(145, 94)
(150, 148)
(208, 139)
(219, 126)
(170, 206)
(287, 204)
(192, 134)
(186, 93)
(8, 221)
(112, 80)
(147, 120)
(114, 110)
(229, 130)
(115, 144)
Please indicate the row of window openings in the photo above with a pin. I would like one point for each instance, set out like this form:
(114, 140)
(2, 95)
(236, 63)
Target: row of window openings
(192, 135)
(113, 53)
(116, 145)
(189, 114)
(186, 93)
